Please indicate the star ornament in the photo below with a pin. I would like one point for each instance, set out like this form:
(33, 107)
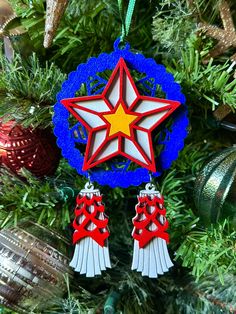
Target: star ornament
(120, 121)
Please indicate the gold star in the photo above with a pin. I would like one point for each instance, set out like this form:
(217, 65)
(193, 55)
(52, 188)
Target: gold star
(120, 121)
(226, 37)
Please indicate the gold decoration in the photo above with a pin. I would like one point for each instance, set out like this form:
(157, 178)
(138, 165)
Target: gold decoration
(226, 37)
(6, 12)
(7, 16)
(32, 267)
(54, 12)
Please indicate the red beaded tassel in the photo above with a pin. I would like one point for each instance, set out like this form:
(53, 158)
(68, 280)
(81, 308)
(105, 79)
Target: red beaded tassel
(91, 254)
(150, 255)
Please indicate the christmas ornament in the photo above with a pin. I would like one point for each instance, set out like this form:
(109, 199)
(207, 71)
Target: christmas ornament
(34, 150)
(72, 135)
(54, 12)
(32, 267)
(151, 256)
(215, 188)
(226, 37)
(110, 134)
(7, 16)
(91, 254)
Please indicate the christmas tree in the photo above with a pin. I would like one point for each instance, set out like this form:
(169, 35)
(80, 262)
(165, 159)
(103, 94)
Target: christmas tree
(196, 42)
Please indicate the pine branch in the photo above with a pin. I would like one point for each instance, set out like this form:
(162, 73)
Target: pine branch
(28, 91)
(78, 302)
(172, 25)
(86, 29)
(44, 201)
(207, 296)
(210, 251)
(205, 86)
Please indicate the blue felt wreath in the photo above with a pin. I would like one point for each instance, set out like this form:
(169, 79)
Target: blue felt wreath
(88, 74)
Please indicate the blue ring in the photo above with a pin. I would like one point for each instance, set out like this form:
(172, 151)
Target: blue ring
(173, 140)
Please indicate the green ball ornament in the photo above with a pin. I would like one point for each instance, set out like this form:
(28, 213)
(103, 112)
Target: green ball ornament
(215, 188)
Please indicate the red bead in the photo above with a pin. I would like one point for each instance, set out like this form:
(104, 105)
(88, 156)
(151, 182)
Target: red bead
(32, 149)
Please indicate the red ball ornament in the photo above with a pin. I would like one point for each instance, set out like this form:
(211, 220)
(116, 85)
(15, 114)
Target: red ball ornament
(33, 149)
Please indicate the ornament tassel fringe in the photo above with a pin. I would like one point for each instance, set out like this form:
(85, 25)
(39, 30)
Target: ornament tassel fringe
(90, 258)
(91, 255)
(153, 260)
(150, 256)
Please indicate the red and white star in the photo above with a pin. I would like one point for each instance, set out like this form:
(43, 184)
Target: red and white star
(120, 121)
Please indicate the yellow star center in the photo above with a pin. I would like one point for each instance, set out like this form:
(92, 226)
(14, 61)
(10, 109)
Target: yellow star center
(120, 121)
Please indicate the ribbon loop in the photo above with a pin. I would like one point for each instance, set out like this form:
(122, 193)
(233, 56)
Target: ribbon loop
(127, 21)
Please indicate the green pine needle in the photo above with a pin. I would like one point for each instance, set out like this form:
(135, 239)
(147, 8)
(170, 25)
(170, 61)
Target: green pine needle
(210, 251)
